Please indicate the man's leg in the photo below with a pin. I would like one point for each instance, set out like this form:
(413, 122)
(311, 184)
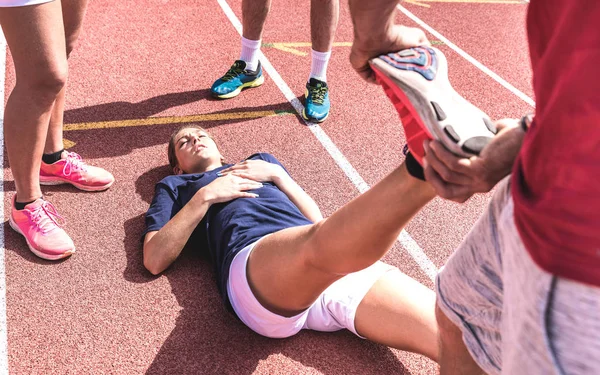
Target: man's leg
(245, 72)
(254, 15)
(454, 356)
(73, 12)
(306, 260)
(324, 15)
(470, 295)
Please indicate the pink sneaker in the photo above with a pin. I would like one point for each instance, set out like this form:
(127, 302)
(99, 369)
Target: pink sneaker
(40, 224)
(73, 170)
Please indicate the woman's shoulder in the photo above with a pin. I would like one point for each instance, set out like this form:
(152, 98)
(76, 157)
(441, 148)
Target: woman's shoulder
(264, 156)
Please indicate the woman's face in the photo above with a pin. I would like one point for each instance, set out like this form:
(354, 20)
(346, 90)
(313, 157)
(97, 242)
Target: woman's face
(196, 152)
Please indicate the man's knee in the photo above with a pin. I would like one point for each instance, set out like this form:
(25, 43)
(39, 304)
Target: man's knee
(455, 358)
(448, 331)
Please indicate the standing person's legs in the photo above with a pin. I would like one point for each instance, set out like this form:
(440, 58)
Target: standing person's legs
(324, 15)
(73, 12)
(498, 311)
(247, 71)
(59, 166)
(254, 15)
(470, 296)
(35, 36)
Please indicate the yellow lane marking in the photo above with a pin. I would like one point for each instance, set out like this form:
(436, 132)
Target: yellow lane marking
(68, 144)
(423, 3)
(292, 47)
(176, 119)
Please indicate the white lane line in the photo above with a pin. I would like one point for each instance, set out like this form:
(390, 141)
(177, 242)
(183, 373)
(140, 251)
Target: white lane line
(468, 57)
(3, 326)
(405, 239)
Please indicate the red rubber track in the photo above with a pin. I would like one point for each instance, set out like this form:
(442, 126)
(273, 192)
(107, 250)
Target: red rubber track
(100, 312)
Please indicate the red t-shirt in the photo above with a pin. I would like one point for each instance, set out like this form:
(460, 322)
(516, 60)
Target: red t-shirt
(556, 180)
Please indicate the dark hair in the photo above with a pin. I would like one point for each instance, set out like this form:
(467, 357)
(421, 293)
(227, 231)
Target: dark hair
(171, 147)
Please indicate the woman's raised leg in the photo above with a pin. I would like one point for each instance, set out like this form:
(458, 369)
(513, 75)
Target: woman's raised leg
(289, 269)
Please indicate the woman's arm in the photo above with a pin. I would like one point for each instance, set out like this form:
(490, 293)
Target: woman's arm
(264, 171)
(162, 247)
(298, 196)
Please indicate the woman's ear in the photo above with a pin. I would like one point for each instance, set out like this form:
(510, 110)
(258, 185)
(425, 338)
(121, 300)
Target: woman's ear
(177, 170)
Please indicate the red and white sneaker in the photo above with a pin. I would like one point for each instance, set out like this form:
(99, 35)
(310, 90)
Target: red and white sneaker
(73, 170)
(416, 81)
(41, 226)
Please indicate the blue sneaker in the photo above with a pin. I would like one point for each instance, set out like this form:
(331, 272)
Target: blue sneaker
(236, 79)
(316, 105)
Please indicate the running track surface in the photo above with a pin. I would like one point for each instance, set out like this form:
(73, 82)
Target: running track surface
(100, 311)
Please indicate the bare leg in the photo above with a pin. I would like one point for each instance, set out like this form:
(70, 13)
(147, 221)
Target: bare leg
(454, 356)
(306, 260)
(73, 12)
(399, 312)
(254, 14)
(324, 15)
(36, 40)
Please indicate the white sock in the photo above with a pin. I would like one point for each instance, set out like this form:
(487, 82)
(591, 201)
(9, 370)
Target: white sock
(318, 66)
(250, 49)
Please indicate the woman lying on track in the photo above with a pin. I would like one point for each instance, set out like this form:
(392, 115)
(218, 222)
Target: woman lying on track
(280, 266)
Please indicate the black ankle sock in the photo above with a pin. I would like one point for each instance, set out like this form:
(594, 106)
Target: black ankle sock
(412, 165)
(20, 206)
(53, 157)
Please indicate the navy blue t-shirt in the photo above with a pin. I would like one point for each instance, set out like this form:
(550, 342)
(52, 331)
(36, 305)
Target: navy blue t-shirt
(227, 227)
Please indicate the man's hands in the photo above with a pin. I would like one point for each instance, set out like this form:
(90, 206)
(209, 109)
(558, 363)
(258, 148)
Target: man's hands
(457, 178)
(256, 170)
(229, 187)
(395, 39)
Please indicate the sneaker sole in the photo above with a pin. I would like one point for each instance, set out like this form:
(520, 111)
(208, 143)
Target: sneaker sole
(257, 82)
(432, 109)
(60, 181)
(39, 254)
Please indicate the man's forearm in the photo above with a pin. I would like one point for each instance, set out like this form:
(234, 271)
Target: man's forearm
(372, 19)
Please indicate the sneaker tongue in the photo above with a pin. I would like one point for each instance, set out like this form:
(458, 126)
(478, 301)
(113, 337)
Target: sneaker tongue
(35, 204)
(241, 64)
(316, 83)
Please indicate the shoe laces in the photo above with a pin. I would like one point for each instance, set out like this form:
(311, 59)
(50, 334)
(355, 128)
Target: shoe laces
(317, 93)
(46, 218)
(235, 70)
(74, 163)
